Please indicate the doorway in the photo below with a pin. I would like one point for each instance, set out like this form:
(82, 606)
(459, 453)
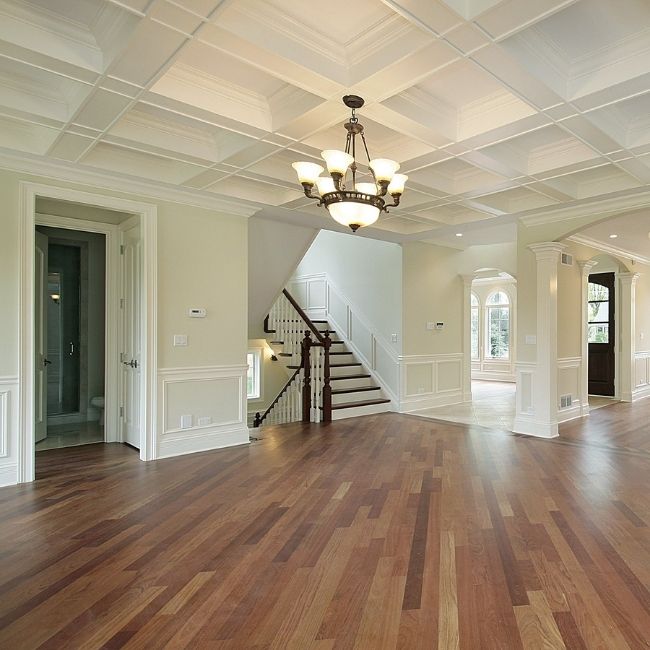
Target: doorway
(601, 334)
(70, 326)
(43, 205)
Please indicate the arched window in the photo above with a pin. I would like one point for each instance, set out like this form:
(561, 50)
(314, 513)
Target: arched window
(498, 326)
(475, 326)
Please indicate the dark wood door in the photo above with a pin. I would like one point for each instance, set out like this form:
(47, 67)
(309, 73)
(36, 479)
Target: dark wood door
(601, 334)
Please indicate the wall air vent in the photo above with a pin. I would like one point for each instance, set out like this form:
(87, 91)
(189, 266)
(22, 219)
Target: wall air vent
(566, 401)
(567, 259)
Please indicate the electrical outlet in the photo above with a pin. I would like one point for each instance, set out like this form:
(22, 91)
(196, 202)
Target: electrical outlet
(204, 421)
(393, 337)
(186, 421)
(180, 340)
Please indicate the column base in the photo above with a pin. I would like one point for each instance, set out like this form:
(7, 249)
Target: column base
(530, 427)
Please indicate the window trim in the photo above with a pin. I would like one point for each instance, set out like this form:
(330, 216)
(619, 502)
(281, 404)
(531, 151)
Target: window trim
(257, 373)
(501, 305)
(477, 308)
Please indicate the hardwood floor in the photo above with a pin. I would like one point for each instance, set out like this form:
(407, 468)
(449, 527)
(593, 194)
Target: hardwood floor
(381, 532)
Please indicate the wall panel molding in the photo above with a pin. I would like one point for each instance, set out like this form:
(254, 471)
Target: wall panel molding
(214, 397)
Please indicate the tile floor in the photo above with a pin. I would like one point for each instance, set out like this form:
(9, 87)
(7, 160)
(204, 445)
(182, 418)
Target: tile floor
(71, 435)
(492, 405)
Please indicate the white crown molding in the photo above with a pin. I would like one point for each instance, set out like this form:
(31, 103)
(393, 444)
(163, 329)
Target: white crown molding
(608, 248)
(76, 173)
(617, 202)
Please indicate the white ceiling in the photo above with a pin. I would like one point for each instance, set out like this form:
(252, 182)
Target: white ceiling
(632, 235)
(492, 107)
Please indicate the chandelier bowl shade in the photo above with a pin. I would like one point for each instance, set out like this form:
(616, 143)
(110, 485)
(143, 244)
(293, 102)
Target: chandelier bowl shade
(362, 205)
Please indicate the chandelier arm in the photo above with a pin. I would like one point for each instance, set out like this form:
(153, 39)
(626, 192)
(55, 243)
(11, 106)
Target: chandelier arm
(395, 203)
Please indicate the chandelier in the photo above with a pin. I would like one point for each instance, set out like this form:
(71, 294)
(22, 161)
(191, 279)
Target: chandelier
(362, 203)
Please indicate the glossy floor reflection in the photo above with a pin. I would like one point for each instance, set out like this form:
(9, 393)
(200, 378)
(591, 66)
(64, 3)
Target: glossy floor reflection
(71, 435)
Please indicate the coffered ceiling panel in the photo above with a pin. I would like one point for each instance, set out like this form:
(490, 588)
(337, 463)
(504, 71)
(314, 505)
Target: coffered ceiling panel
(492, 107)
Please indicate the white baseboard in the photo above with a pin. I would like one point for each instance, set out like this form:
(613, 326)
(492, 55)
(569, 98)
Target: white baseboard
(640, 392)
(572, 413)
(529, 426)
(8, 475)
(204, 439)
(422, 402)
(493, 376)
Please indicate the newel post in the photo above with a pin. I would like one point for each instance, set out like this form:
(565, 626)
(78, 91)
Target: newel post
(305, 349)
(327, 389)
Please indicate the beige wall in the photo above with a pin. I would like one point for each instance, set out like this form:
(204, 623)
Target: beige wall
(433, 291)
(367, 272)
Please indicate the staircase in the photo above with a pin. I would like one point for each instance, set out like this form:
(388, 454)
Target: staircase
(353, 390)
(333, 382)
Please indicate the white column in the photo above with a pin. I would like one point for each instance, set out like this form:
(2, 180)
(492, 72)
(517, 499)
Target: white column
(544, 390)
(467, 338)
(627, 334)
(585, 267)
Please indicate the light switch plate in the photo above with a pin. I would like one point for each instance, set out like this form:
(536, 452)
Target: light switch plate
(180, 340)
(531, 339)
(431, 325)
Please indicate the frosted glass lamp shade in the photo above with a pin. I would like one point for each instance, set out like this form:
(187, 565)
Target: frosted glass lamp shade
(337, 161)
(325, 184)
(396, 185)
(367, 188)
(383, 168)
(307, 172)
(353, 214)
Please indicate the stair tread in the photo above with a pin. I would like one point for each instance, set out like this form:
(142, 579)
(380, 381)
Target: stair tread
(320, 321)
(285, 354)
(356, 389)
(344, 365)
(342, 352)
(367, 402)
(350, 377)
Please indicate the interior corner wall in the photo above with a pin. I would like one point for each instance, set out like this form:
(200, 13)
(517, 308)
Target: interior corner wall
(274, 251)
(367, 272)
(202, 262)
(274, 375)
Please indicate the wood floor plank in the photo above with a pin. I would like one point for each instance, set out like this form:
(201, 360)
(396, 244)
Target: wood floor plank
(382, 532)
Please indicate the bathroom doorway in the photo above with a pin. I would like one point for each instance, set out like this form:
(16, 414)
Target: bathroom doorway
(71, 328)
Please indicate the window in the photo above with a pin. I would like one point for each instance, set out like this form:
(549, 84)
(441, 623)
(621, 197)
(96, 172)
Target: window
(253, 383)
(498, 326)
(475, 326)
(598, 313)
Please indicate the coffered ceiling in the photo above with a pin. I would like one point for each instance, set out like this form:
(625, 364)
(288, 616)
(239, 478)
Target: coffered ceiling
(494, 108)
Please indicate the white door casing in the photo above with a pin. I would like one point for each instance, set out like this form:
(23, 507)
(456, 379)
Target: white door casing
(40, 336)
(131, 353)
(24, 453)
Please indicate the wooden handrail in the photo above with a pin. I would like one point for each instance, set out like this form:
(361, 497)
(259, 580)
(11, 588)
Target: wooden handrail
(260, 418)
(304, 316)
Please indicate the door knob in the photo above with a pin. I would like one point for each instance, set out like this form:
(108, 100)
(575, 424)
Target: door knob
(46, 362)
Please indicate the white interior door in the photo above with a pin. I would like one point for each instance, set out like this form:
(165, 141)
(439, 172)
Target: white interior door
(40, 337)
(131, 259)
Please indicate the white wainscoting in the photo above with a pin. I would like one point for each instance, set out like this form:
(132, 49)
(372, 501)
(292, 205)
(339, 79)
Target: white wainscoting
(215, 392)
(322, 300)
(525, 373)
(8, 430)
(569, 380)
(427, 381)
(641, 375)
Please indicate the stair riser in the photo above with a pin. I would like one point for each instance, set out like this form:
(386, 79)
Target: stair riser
(346, 398)
(352, 383)
(361, 410)
(342, 372)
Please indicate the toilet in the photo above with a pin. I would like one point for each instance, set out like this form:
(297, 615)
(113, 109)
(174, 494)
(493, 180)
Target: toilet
(98, 403)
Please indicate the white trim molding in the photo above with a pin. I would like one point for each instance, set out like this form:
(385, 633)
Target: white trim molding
(428, 381)
(615, 251)
(641, 375)
(214, 398)
(8, 429)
